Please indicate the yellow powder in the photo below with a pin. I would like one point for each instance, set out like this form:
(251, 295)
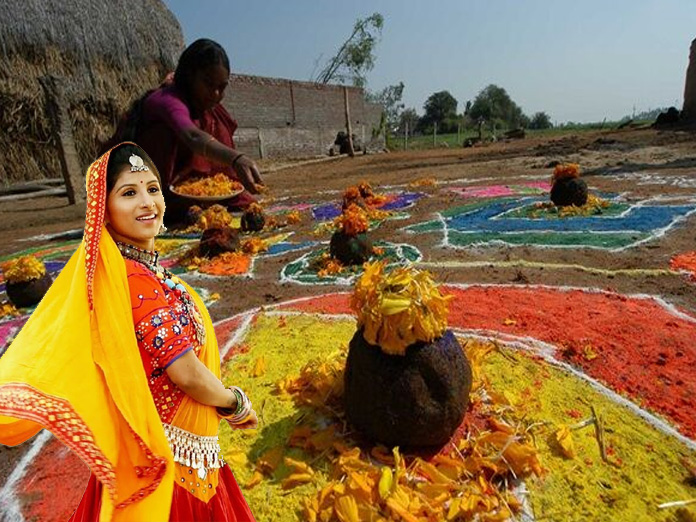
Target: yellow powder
(286, 349)
(645, 470)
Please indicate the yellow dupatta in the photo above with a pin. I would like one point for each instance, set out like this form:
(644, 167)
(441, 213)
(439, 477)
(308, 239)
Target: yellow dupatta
(75, 369)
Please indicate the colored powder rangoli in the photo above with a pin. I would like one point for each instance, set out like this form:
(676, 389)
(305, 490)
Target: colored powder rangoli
(280, 475)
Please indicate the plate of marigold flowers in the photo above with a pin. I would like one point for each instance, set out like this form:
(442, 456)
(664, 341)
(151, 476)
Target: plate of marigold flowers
(209, 188)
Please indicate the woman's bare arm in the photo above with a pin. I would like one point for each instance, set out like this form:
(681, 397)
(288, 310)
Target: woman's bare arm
(197, 381)
(203, 144)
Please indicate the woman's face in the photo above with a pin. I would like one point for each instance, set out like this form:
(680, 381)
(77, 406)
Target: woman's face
(135, 208)
(209, 85)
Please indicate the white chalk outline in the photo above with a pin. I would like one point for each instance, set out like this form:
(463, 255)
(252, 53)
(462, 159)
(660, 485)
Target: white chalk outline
(10, 508)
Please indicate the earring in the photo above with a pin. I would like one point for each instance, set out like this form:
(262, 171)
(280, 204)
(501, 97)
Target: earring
(162, 230)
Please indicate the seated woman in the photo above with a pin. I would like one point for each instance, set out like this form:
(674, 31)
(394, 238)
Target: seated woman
(187, 132)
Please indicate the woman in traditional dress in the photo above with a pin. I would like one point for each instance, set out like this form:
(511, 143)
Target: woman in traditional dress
(187, 132)
(120, 362)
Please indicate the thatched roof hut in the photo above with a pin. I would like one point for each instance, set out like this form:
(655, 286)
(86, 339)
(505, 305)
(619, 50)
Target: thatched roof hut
(104, 54)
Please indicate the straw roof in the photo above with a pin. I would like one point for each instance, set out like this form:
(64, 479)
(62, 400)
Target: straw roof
(106, 54)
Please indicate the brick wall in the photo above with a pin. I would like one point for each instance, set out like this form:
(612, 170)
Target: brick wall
(287, 118)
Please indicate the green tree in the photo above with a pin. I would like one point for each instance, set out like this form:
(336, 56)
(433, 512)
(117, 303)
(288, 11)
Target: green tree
(408, 119)
(390, 99)
(441, 109)
(494, 105)
(540, 120)
(356, 56)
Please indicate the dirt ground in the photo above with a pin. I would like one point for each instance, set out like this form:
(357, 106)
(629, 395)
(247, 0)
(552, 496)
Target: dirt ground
(611, 162)
(605, 157)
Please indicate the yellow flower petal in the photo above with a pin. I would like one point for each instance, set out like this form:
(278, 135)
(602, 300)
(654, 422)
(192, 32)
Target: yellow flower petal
(386, 480)
(565, 440)
(296, 479)
(347, 509)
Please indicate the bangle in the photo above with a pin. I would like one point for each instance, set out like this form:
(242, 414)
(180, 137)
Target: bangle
(236, 159)
(241, 412)
(228, 410)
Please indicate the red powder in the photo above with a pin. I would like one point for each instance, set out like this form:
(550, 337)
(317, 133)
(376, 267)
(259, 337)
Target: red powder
(54, 484)
(686, 261)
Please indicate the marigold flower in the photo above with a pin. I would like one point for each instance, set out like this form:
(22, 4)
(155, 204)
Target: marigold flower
(254, 208)
(328, 265)
(254, 245)
(376, 200)
(399, 308)
(365, 189)
(566, 170)
(293, 217)
(594, 205)
(351, 193)
(22, 269)
(218, 185)
(7, 309)
(352, 221)
(215, 216)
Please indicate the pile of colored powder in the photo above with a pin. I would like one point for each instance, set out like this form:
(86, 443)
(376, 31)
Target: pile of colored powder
(686, 262)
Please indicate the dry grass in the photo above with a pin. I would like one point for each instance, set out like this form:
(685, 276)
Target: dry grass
(107, 53)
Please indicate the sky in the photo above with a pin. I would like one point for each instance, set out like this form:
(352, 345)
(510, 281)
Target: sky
(579, 61)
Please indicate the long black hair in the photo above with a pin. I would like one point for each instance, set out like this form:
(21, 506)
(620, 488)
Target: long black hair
(120, 158)
(201, 54)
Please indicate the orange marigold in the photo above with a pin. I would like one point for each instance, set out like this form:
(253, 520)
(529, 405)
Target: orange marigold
(215, 216)
(351, 193)
(217, 185)
(365, 189)
(293, 217)
(25, 268)
(566, 170)
(254, 208)
(254, 245)
(352, 221)
(328, 265)
(7, 309)
(399, 308)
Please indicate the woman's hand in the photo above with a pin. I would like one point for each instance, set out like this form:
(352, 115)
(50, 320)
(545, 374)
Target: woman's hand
(248, 173)
(251, 422)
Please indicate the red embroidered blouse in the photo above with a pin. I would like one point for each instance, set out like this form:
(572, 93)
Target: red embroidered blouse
(164, 332)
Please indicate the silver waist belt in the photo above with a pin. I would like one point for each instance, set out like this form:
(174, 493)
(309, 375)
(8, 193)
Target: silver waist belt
(194, 451)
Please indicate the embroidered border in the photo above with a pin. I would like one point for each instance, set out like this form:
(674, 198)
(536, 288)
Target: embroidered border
(57, 415)
(25, 402)
(94, 218)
